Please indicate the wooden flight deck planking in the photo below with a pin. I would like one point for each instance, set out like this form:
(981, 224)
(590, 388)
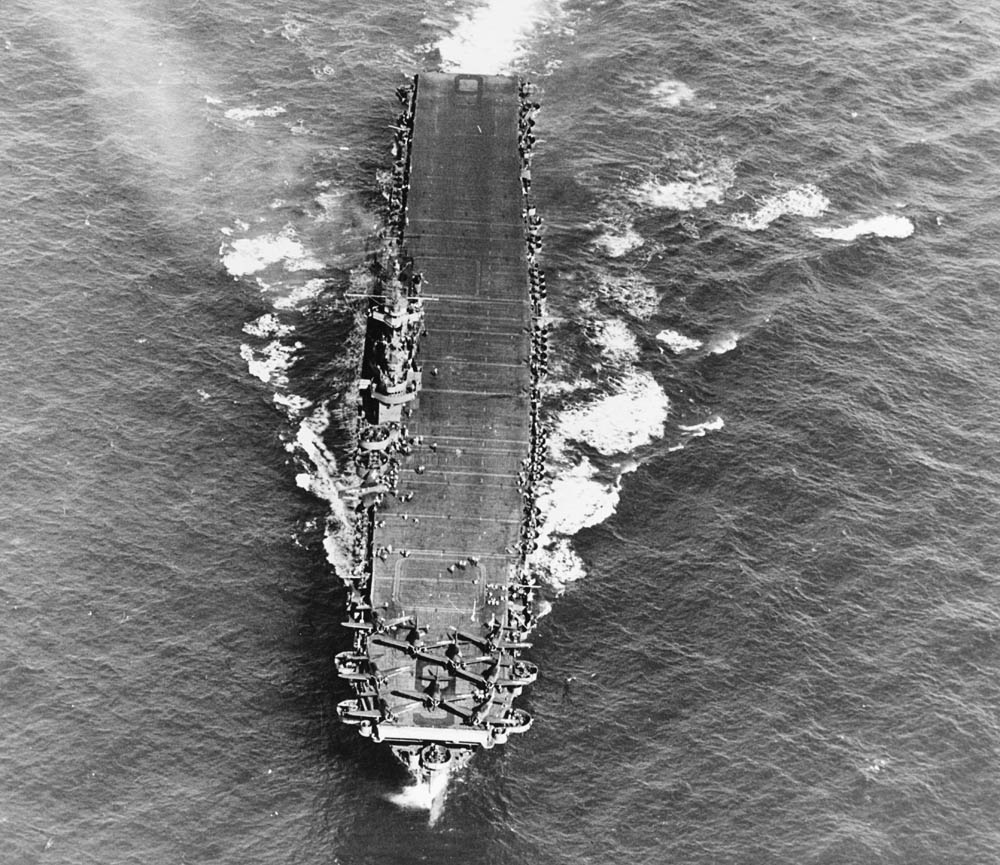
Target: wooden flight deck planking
(465, 233)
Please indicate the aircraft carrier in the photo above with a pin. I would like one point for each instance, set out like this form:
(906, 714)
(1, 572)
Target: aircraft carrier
(450, 443)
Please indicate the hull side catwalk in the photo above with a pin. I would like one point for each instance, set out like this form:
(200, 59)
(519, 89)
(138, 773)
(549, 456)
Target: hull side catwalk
(450, 442)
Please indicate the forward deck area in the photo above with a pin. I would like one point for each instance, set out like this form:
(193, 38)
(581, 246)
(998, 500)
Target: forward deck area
(465, 233)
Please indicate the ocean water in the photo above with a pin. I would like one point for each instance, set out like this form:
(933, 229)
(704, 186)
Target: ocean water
(771, 560)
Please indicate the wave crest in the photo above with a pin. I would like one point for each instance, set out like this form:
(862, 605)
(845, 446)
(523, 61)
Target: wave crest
(694, 189)
(632, 415)
(885, 225)
(619, 242)
(677, 342)
(672, 94)
(250, 255)
(807, 200)
(247, 115)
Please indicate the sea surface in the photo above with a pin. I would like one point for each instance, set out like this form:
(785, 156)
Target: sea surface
(771, 563)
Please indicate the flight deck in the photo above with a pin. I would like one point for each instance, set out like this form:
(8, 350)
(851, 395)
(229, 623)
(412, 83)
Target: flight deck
(449, 441)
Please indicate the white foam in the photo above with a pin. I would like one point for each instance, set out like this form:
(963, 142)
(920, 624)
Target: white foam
(699, 429)
(629, 417)
(305, 261)
(266, 326)
(293, 404)
(271, 363)
(806, 200)
(322, 70)
(632, 293)
(886, 225)
(331, 205)
(309, 441)
(693, 190)
(425, 796)
(297, 32)
(617, 342)
(490, 40)
(248, 114)
(724, 343)
(248, 255)
(677, 342)
(575, 499)
(555, 565)
(291, 29)
(301, 294)
(672, 94)
(874, 768)
(577, 495)
(618, 243)
(553, 386)
(322, 480)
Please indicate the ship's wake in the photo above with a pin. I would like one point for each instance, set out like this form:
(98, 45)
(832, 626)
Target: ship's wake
(495, 37)
(426, 795)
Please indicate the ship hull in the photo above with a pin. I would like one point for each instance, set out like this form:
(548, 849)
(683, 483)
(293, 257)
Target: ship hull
(449, 439)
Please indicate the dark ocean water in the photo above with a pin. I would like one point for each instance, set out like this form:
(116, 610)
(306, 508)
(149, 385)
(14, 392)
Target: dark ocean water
(780, 216)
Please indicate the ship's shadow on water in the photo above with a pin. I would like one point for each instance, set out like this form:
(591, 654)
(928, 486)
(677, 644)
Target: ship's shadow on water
(350, 759)
(324, 373)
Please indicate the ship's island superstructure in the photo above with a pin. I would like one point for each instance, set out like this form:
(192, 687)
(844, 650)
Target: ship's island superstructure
(450, 443)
